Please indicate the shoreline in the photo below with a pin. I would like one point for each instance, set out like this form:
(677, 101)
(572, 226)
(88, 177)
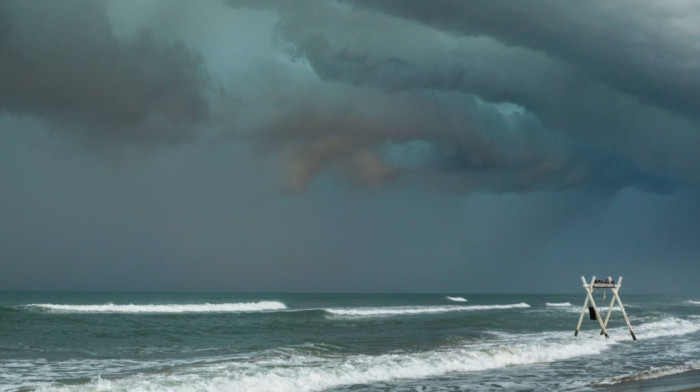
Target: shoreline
(681, 382)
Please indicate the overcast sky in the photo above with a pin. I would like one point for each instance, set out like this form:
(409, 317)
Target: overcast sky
(362, 146)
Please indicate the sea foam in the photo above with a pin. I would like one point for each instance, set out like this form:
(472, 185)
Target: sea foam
(307, 373)
(667, 327)
(457, 299)
(411, 310)
(163, 308)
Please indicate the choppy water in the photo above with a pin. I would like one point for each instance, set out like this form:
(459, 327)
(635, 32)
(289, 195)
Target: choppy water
(275, 342)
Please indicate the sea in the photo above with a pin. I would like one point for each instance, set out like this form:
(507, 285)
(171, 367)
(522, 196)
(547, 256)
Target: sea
(56, 341)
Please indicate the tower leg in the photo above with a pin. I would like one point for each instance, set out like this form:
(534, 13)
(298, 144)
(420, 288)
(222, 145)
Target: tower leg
(580, 319)
(589, 297)
(607, 316)
(600, 321)
(583, 310)
(624, 314)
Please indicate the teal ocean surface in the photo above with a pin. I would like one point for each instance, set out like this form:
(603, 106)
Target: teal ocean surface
(336, 342)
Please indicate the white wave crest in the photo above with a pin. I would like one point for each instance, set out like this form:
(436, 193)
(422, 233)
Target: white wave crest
(309, 373)
(690, 301)
(558, 304)
(305, 373)
(667, 327)
(457, 299)
(410, 310)
(165, 308)
(385, 368)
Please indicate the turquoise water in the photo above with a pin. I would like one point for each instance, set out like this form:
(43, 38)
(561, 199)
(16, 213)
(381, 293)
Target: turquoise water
(339, 342)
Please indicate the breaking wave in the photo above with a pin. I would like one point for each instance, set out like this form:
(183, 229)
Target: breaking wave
(668, 327)
(558, 304)
(166, 308)
(457, 299)
(690, 301)
(307, 373)
(411, 310)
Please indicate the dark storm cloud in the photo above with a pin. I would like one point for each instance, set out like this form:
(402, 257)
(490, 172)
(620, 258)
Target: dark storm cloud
(459, 96)
(61, 62)
(647, 49)
(486, 126)
(506, 101)
(439, 140)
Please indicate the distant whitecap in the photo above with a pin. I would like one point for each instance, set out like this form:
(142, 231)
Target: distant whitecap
(413, 310)
(165, 308)
(558, 304)
(457, 299)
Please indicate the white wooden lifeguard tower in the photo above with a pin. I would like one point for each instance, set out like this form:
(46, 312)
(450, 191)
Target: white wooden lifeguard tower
(593, 310)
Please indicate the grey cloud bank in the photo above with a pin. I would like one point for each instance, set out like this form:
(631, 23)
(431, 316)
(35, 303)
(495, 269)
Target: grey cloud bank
(361, 145)
(62, 63)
